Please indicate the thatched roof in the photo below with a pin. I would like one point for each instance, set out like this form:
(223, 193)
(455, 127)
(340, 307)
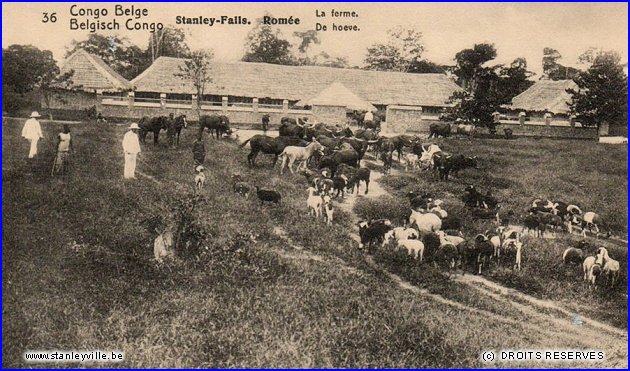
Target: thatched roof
(262, 80)
(338, 95)
(91, 73)
(545, 95)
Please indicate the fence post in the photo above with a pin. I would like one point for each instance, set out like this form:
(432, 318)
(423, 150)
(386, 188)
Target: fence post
(99, 101)
(163, 100)
(255, 106)
(130, 98)
(572, 121)
(521, 118)
(548, 116)
(224, 105)
(285, 106)
(194, 104)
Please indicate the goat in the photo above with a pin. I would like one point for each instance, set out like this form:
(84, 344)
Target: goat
(592, 270)
(328, 210)
(314, 202)
(200, 178)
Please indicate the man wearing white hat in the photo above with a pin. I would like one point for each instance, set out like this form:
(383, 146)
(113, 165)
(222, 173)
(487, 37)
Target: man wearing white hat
(33, 133)
(131, 148)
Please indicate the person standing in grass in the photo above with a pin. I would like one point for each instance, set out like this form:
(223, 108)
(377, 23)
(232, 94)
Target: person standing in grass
(64, 147)
(131, 148)
(199, 151)
(32, 131)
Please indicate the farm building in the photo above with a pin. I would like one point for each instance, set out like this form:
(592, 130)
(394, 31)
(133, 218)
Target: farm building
(332, 103)
(239, 86)
(544, 97)
(91, 79)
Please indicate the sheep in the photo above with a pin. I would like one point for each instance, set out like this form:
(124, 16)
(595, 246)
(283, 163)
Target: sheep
(415, 248)
(573, 255)
(328, 210)
(375, 230)
(611, 271)
(265, 195)
(592, 270)
(400, 233)
(425, 222)
(314, 202)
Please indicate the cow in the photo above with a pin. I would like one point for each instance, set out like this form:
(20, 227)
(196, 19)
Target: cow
(466, 129)
(336, 158)
(220, 124)
(314, 131)
(270, 146)
(445, 164)
(439, 129)
(290, 127)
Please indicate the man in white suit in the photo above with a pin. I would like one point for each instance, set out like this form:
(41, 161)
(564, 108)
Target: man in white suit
(32, 131)
(131, 148)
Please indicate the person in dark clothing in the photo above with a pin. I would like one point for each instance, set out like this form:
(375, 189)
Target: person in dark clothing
(265, 123)
(199, 152)
(170, 130)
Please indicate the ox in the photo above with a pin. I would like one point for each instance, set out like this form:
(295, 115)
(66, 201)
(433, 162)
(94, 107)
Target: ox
(270, 146)
(436, 130)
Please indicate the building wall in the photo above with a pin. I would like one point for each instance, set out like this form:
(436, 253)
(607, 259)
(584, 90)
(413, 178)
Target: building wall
(71, 100)
(330, 114)
(549, 131)
(401, 119)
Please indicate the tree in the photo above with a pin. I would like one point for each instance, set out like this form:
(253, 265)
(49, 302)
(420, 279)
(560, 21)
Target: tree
(169, 42)
(125, 58)
(25, 68)
(402, 50)
(265, 45)
(469, 64)
(425, 66)
(553, 70)
(326, 60)
(514, 79)
(603, 92)
(197, 69)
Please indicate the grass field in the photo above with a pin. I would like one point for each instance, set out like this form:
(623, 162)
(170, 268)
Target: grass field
(78, 272)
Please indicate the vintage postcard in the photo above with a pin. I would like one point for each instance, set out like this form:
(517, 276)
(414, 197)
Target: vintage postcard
(314, 185)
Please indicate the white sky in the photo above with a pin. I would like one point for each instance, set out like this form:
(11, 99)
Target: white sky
(516, 29)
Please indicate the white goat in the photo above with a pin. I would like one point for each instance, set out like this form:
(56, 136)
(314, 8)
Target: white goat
(163, 245)
(314, 202)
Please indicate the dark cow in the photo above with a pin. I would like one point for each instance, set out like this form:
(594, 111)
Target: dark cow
(373, 232)
(332, 161)
(314, 131)
(401, 141)
(359, 145)
(367, 134)
(290, 127)
(220, 124)
(174, 130)
(445, 163)
(439, 129)
(154, 125)
(270, 146)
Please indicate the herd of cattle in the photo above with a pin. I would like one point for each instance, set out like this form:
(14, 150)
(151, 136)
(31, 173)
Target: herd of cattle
(330, 161)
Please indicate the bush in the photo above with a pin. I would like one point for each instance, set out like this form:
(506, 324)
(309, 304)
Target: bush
(386, 207)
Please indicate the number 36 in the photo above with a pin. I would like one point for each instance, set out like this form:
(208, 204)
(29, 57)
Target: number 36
(52, 18)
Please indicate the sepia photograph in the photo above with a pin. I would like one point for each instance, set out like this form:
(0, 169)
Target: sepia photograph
(315, 185)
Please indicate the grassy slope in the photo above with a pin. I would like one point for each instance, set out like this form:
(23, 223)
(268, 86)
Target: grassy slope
(591, 175)
(77, 273)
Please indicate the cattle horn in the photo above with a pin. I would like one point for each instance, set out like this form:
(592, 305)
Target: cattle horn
(373, 141)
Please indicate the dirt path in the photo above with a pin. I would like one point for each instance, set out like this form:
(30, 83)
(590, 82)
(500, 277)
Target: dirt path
(550, 319)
